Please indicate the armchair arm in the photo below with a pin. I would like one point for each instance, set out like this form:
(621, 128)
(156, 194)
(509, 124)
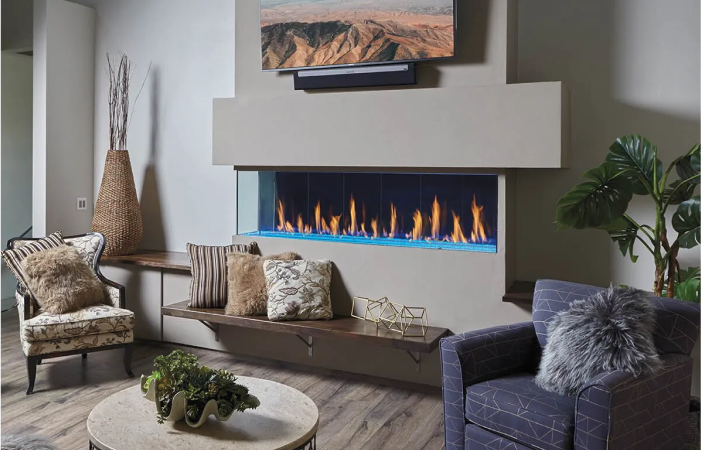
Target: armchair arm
(116, 291)
(616, 410)
(26, 303)
(475, 356)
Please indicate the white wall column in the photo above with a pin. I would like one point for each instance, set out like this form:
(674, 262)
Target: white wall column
(64, 102)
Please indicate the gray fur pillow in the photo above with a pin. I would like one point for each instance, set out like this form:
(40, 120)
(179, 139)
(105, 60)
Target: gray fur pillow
(612, 330)
(62, 281)
(26, 443)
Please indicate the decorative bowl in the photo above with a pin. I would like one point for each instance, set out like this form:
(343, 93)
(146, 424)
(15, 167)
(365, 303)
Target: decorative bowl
(179, 407)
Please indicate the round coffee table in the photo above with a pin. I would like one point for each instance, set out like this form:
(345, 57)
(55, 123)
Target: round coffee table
(285, 420)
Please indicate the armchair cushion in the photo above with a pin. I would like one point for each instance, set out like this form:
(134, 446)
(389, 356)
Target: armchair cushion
(515, 407)
(77, 343)
(86, 321)
(87, 245)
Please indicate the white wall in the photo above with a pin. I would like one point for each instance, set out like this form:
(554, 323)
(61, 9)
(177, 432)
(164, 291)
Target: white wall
(16, 160)
(64, 65)
(190, 46)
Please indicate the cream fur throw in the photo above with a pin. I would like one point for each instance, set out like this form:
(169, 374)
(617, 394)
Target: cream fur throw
(62, 281)
(248, 295)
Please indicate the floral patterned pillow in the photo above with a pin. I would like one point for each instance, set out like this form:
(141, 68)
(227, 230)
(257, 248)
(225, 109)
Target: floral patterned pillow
(298, 290)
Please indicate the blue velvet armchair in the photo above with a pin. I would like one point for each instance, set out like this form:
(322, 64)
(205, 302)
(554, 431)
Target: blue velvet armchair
(491, 401)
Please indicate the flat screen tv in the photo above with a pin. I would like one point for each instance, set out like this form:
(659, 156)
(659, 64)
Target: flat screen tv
(305, 34)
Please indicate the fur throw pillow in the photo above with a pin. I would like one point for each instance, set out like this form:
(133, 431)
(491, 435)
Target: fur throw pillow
(62, 281)
(246, 279)
(612, 330)
(27, 442)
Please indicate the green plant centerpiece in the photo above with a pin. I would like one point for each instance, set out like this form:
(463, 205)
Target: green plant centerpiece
(184, 389)
(633, 168)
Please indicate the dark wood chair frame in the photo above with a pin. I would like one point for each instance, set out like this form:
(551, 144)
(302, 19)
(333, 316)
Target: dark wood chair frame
(33, 361)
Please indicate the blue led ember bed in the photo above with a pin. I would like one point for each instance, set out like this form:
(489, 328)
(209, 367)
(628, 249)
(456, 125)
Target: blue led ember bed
(435, 211)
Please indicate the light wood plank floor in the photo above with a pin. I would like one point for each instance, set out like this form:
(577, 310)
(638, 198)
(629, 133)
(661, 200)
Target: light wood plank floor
(355, 412)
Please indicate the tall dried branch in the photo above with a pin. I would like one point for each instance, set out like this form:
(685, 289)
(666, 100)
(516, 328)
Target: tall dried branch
(119, 76)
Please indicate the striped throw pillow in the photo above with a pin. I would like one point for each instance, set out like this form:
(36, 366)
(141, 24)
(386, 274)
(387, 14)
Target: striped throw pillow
(21, 249)
(208, 288)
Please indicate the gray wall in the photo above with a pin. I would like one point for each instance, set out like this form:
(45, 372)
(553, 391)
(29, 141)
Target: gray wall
(191, 52)
(16, 163)
(17, 21)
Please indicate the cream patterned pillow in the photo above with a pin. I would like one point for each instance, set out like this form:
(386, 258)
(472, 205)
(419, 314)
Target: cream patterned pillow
(298, 290)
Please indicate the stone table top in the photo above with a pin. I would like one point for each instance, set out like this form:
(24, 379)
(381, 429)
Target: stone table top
(285, 419)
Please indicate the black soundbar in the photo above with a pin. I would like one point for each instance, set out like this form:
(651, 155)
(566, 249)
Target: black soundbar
(350, 77)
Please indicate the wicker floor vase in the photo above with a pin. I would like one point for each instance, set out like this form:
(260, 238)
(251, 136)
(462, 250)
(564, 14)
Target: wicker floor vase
(117, 212)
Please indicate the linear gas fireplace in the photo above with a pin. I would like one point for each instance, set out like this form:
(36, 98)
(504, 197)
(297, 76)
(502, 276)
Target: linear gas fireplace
(439, 211)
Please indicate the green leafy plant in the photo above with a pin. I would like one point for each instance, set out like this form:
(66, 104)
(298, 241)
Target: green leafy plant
(181, 371)
(633, 168)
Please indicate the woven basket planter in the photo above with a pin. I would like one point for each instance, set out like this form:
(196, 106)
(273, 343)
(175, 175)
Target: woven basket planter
(117, 212)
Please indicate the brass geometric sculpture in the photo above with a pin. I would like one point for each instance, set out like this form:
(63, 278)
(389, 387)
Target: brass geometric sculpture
(394, 316)
(372, 309)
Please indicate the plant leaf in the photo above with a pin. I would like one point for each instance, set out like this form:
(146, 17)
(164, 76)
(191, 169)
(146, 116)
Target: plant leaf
(689, 291)
(686, 168)
(674, 196)
(597, 203)
(625, 237)
(636, 156)
(686, 222)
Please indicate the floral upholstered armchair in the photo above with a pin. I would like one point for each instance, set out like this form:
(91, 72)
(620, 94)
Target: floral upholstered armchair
(103, 327)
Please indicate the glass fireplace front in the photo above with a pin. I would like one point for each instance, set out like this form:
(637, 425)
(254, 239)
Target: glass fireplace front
(440, 211)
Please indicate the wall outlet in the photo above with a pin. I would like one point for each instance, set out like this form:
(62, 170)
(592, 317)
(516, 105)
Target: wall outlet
(82, 203)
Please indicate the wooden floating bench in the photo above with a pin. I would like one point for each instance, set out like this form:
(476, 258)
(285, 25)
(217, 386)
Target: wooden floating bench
(340, 327)
(344, 328)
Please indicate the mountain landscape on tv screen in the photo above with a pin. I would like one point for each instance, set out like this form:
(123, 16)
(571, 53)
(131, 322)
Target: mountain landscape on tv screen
(310, 33)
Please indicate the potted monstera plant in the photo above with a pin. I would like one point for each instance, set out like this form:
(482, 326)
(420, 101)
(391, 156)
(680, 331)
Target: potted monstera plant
(633, 168)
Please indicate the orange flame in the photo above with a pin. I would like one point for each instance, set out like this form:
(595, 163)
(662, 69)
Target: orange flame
(417, 231)
(317, 216)
(283, 225)
(335, 220)
(438, 215)
(353, 224)
(280, 216)
(457, 235)
(478, 234)
(373, 225)
(435, 219)
(392, 220)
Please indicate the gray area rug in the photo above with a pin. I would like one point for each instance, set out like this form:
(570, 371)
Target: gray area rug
(26, 443)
